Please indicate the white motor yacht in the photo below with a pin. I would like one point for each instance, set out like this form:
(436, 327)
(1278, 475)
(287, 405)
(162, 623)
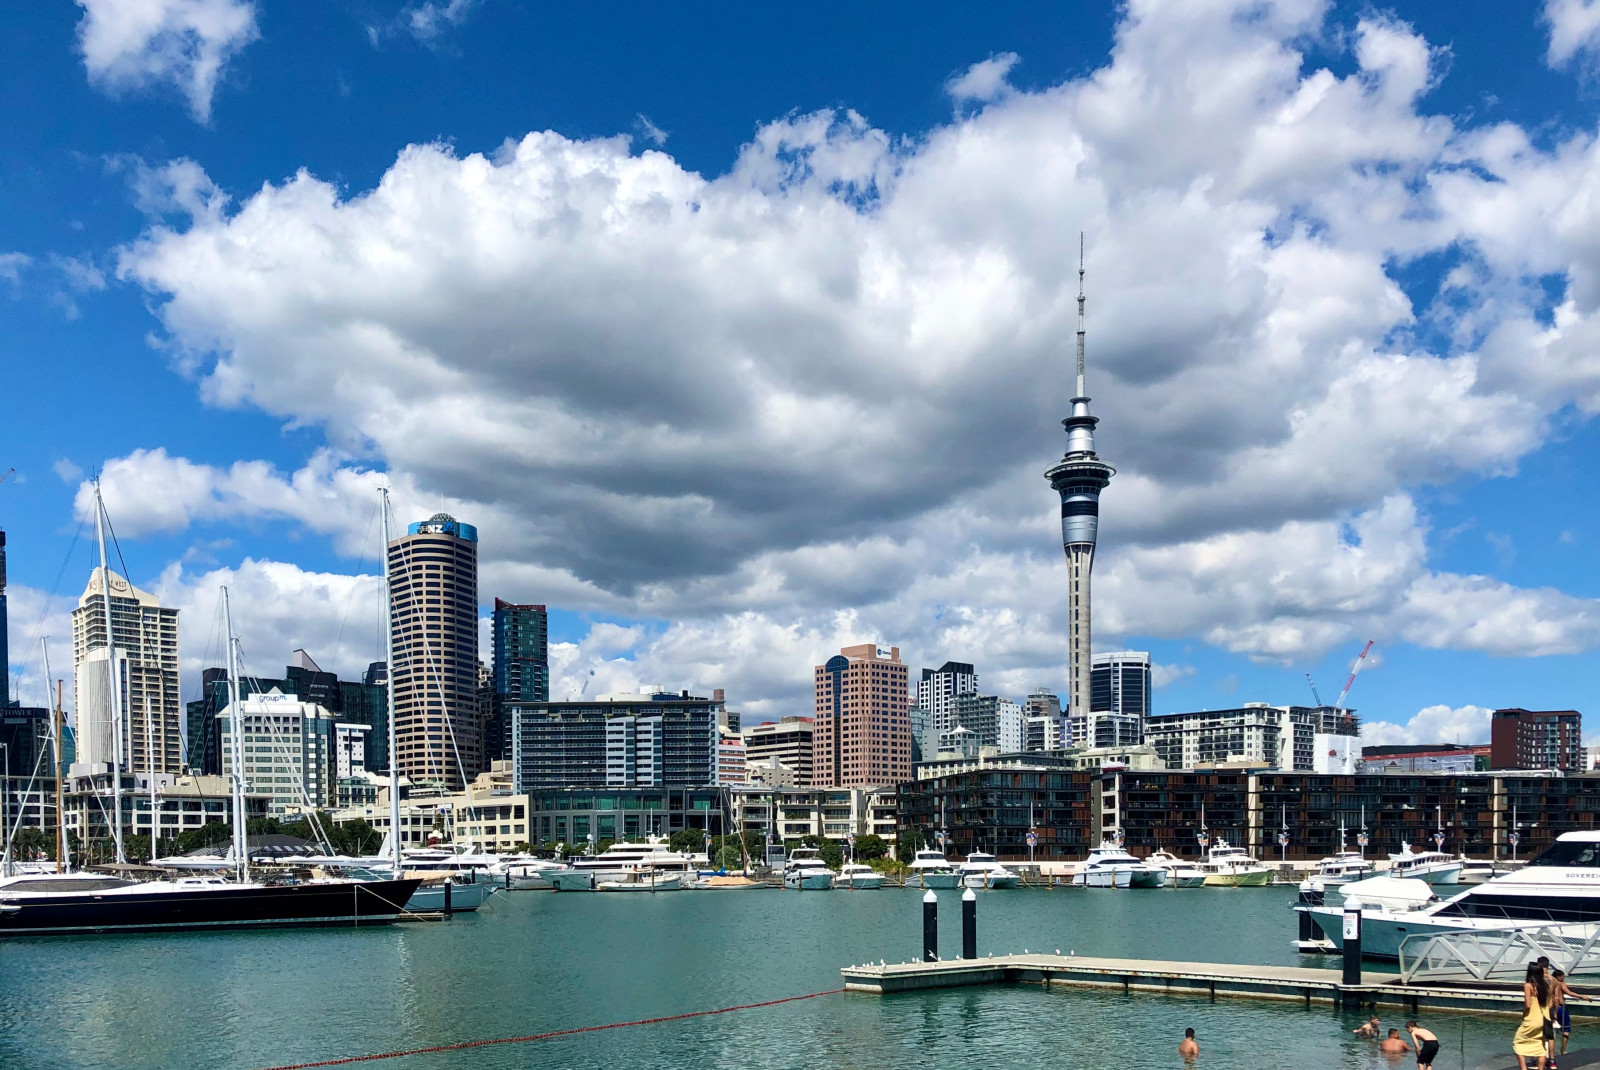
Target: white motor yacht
(1435, 867)
(1180, 873)
(617, 863)
(856, 875)
(931, 869)
(1342, 868)
(1227, 866)
(806, 871)
(1559, 885)
(644, 880)
(983, 870)
(1109, 866)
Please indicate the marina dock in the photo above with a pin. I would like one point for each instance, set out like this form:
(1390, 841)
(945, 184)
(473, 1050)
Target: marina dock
(1212, 980)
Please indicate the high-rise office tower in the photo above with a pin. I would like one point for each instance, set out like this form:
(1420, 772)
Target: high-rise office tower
(434, 570)
(937, 692)
(1079, 477)
(1045, 727)
(144, 668)
(521, 667)
(863, 729)
(1119, 700)
(791, 741)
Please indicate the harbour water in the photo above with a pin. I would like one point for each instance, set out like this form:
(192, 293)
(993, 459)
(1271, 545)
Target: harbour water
(541, 961)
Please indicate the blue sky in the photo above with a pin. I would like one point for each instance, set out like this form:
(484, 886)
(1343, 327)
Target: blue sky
(781, 370)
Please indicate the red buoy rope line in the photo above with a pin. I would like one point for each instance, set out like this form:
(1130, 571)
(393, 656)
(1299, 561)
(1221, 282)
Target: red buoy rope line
(465, 1044)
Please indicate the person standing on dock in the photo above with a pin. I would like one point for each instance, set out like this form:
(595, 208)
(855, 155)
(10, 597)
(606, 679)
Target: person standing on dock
(1529, 1041)
(1392, 1044)
(1427, 1045)
(1188, 1047)
(1560, 1017)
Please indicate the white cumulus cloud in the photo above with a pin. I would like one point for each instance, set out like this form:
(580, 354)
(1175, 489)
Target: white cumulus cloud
(809, 401)
(1434, 724)
(134, 44)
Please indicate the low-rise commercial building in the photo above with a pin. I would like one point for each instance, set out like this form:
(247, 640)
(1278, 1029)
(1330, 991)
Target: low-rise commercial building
(1424, 758)
(833, 813)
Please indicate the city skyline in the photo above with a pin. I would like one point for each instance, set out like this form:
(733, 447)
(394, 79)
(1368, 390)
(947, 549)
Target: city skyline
(1345, 431)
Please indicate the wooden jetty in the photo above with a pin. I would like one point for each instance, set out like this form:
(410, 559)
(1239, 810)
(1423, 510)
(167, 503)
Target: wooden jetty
(1208, 979)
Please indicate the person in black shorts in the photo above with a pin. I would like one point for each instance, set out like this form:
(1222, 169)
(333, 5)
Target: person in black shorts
(1427, 1045)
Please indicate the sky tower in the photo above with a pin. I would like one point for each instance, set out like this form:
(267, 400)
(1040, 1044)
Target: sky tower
(1079, 477)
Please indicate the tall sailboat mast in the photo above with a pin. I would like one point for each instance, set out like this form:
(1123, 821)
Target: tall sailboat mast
(241, 853)
(113, 683)
(388, 689)
(55, 739)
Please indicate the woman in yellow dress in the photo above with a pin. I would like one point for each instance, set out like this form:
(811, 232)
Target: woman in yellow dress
(1529, 1040)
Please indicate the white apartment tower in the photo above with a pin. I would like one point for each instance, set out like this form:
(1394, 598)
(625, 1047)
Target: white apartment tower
(142, 661)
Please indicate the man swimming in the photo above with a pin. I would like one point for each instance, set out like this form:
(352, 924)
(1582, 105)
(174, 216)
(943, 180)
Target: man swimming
(1392, 1044)
(1373, 1028)
(1187, 1047)
(1427, 1045)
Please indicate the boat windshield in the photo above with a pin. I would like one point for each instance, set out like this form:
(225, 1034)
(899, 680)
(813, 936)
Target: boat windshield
(1581, 853)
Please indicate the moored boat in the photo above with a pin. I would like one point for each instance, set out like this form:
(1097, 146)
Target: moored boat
(856, 875)
(1227, 866)
(1109, 866)
(1180, 873)
(1435, 867)
(931, 869)
(983, 870)
(806, 871)
(77, 903)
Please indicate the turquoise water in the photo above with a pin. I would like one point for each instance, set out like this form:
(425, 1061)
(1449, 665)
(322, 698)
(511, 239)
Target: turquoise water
(540, 961)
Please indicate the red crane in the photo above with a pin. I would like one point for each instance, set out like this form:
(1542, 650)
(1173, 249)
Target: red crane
(1360, 658)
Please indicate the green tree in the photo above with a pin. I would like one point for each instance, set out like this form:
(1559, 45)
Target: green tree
(871, 846)
(604, 845)
(729, 857)
(907, 844)
(31, 844)
(687, 841)
(832, 853)
(211, 834)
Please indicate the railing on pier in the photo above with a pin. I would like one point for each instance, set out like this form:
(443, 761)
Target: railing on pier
(1483, 954)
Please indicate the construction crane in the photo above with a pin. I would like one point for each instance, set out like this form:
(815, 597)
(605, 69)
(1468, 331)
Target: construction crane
(1360, 660)
(8, 473)
(1314, 692)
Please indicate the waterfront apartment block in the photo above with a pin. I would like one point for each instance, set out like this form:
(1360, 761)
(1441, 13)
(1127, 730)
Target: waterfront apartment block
(434, 571)
(1476, 812)
(833, 813)
(619, 741)
(145, 640)
(863, 730)
(1536, 739)
(1280, 737)
(288, 750)
(991, 804)
(521, 668)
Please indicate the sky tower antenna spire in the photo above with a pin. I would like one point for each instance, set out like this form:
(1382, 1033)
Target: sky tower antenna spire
(1082, 330)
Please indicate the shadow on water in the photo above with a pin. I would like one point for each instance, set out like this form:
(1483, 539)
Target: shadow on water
(540, 961)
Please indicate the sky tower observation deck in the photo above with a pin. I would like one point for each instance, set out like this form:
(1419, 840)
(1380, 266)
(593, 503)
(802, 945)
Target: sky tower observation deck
(1079, 477)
